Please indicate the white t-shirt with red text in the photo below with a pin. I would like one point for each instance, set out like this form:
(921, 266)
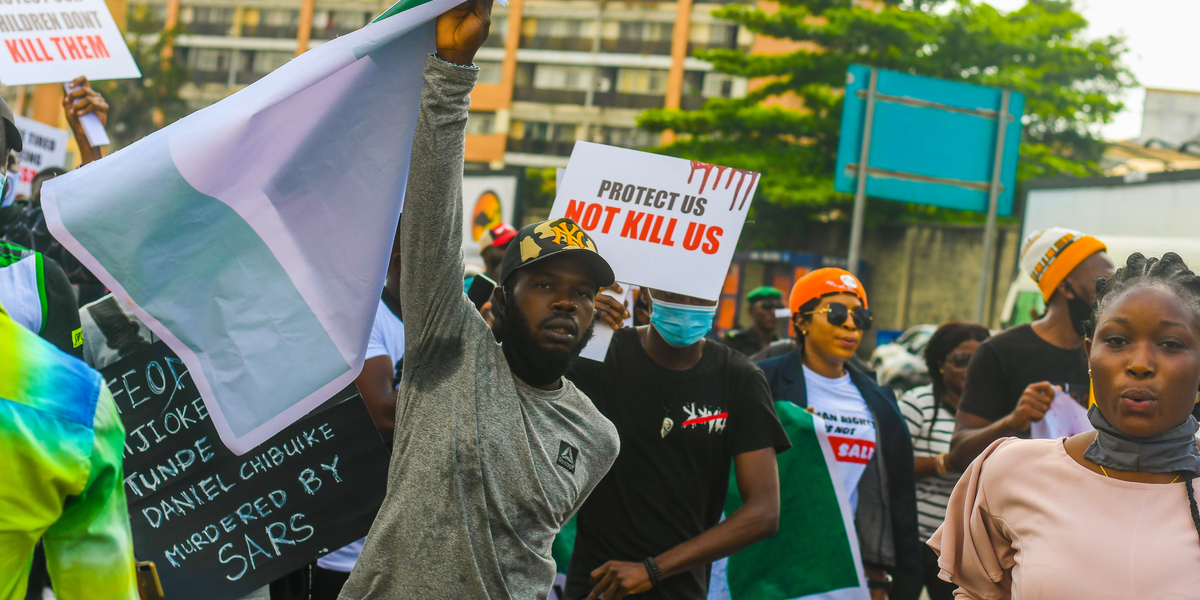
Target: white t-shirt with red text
(849, 425)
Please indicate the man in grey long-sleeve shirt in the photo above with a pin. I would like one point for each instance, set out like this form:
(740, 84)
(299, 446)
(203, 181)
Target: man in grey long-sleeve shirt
(494, 451)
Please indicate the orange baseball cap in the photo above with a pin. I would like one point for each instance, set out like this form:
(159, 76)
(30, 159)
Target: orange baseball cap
(824, 282)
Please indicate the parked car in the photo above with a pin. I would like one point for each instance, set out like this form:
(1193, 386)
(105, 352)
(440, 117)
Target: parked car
(901, 364)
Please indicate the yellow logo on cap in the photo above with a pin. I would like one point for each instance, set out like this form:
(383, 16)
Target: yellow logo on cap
(565, 232)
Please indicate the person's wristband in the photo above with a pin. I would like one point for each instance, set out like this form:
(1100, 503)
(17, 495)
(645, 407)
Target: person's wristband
(652, 570)
(943, 466)
(876, 584)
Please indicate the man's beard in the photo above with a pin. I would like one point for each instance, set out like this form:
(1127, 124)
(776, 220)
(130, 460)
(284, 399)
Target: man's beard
(529, 360)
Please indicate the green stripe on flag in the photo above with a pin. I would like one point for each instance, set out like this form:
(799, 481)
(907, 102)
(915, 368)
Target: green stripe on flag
(811, 554)
(398, 8)
(564, 544)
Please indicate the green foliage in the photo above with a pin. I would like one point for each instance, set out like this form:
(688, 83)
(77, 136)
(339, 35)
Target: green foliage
(1071, 86)
(138, 107)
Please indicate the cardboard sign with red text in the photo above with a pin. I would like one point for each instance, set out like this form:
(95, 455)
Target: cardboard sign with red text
(43, 147)
(55, 41)
(661, 222)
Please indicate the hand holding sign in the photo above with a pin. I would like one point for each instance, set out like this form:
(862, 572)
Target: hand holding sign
(87, 114)
(662, 222)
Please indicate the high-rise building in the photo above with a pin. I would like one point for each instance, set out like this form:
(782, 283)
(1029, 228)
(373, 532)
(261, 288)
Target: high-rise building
(552, 71)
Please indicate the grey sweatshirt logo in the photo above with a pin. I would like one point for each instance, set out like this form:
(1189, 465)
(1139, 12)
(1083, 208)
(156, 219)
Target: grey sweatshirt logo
(567, 455)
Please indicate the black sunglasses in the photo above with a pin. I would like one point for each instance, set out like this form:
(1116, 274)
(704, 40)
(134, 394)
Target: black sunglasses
(837, 313)
(958, 360)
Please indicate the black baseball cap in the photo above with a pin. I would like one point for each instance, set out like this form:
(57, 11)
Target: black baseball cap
(11, 134)
(540, 241)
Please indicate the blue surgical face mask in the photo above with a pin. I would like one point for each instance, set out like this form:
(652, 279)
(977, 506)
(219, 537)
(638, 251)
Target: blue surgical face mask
(681, 325)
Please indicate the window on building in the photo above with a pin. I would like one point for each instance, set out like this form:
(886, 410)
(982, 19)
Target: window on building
(550, 132)
(561, 77)
(719, 85)
(641, 81)
(723, 35)
(627, 137)
(647, 31)
(497, 32)
(489, 71)
(481, 123)
(265, 62)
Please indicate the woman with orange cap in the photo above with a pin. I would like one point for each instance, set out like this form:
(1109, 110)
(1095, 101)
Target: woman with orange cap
(867, 433)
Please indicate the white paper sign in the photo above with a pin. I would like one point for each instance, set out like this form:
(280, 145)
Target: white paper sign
(597, 347)
(1064, 419)
(487, 202)
(55, 41)
(660, 221)
(43, 147)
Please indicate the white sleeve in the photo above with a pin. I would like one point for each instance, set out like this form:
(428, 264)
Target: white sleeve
(376, 345)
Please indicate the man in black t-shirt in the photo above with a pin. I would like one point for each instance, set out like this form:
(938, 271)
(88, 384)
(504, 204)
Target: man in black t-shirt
(684, 408)
(1012, 376)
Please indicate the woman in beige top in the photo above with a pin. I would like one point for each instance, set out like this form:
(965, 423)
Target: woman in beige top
(1104, 514)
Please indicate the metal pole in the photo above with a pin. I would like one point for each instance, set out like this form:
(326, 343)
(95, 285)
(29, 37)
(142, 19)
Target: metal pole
(989, 231)
(860, 192)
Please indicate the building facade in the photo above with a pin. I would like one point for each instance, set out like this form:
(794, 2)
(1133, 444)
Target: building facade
(552, 71)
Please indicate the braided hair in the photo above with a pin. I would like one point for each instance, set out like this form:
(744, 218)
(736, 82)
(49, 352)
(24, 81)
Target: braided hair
(1168, 272)
(943, 341)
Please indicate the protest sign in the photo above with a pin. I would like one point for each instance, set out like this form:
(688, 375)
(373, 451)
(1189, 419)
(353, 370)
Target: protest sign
(487, 202)
(56, 42)
(218, 526)
(43, 147)
(1065, 418)
(660, 221)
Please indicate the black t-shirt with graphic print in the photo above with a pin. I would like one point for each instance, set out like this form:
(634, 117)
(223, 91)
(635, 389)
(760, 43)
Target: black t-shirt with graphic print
(1008, 362)
(663, 491)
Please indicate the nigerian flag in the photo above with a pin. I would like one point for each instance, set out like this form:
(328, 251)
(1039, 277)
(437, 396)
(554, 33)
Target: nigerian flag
(253, 236)
(815, 555)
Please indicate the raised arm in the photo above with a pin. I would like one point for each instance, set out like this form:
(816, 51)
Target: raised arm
(431, 238)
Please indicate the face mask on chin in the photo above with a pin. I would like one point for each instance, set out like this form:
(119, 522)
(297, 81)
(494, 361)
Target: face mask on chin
(681, 325)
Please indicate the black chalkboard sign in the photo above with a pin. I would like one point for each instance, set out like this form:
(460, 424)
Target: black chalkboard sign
(219, 526)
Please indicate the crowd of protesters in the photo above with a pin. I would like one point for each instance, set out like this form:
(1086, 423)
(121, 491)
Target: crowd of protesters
(499, 436)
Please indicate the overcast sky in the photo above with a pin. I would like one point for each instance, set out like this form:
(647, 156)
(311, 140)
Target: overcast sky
(1160, 35)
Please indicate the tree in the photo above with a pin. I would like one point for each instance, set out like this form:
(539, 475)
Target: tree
(1071, 86)
(138, 107)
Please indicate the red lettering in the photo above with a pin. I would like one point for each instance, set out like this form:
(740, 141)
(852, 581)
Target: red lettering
(690, 241)
(667, 241)
(575, 210)
(87, 53)
(654, 232)
(29, 52)
(44, 53)
(591, 217)
(97, 43)
(610, 211)
(72, 49)
(58, 42)
(711, 246)
(629, 229)
(15, 51)
(646, 227)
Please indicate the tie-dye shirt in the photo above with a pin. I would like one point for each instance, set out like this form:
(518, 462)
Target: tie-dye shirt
(60, 467)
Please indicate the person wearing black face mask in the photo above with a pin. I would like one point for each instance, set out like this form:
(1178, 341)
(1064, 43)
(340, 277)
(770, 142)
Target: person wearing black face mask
(1012, 377)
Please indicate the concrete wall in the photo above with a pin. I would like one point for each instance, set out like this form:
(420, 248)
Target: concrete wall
(930, 273)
